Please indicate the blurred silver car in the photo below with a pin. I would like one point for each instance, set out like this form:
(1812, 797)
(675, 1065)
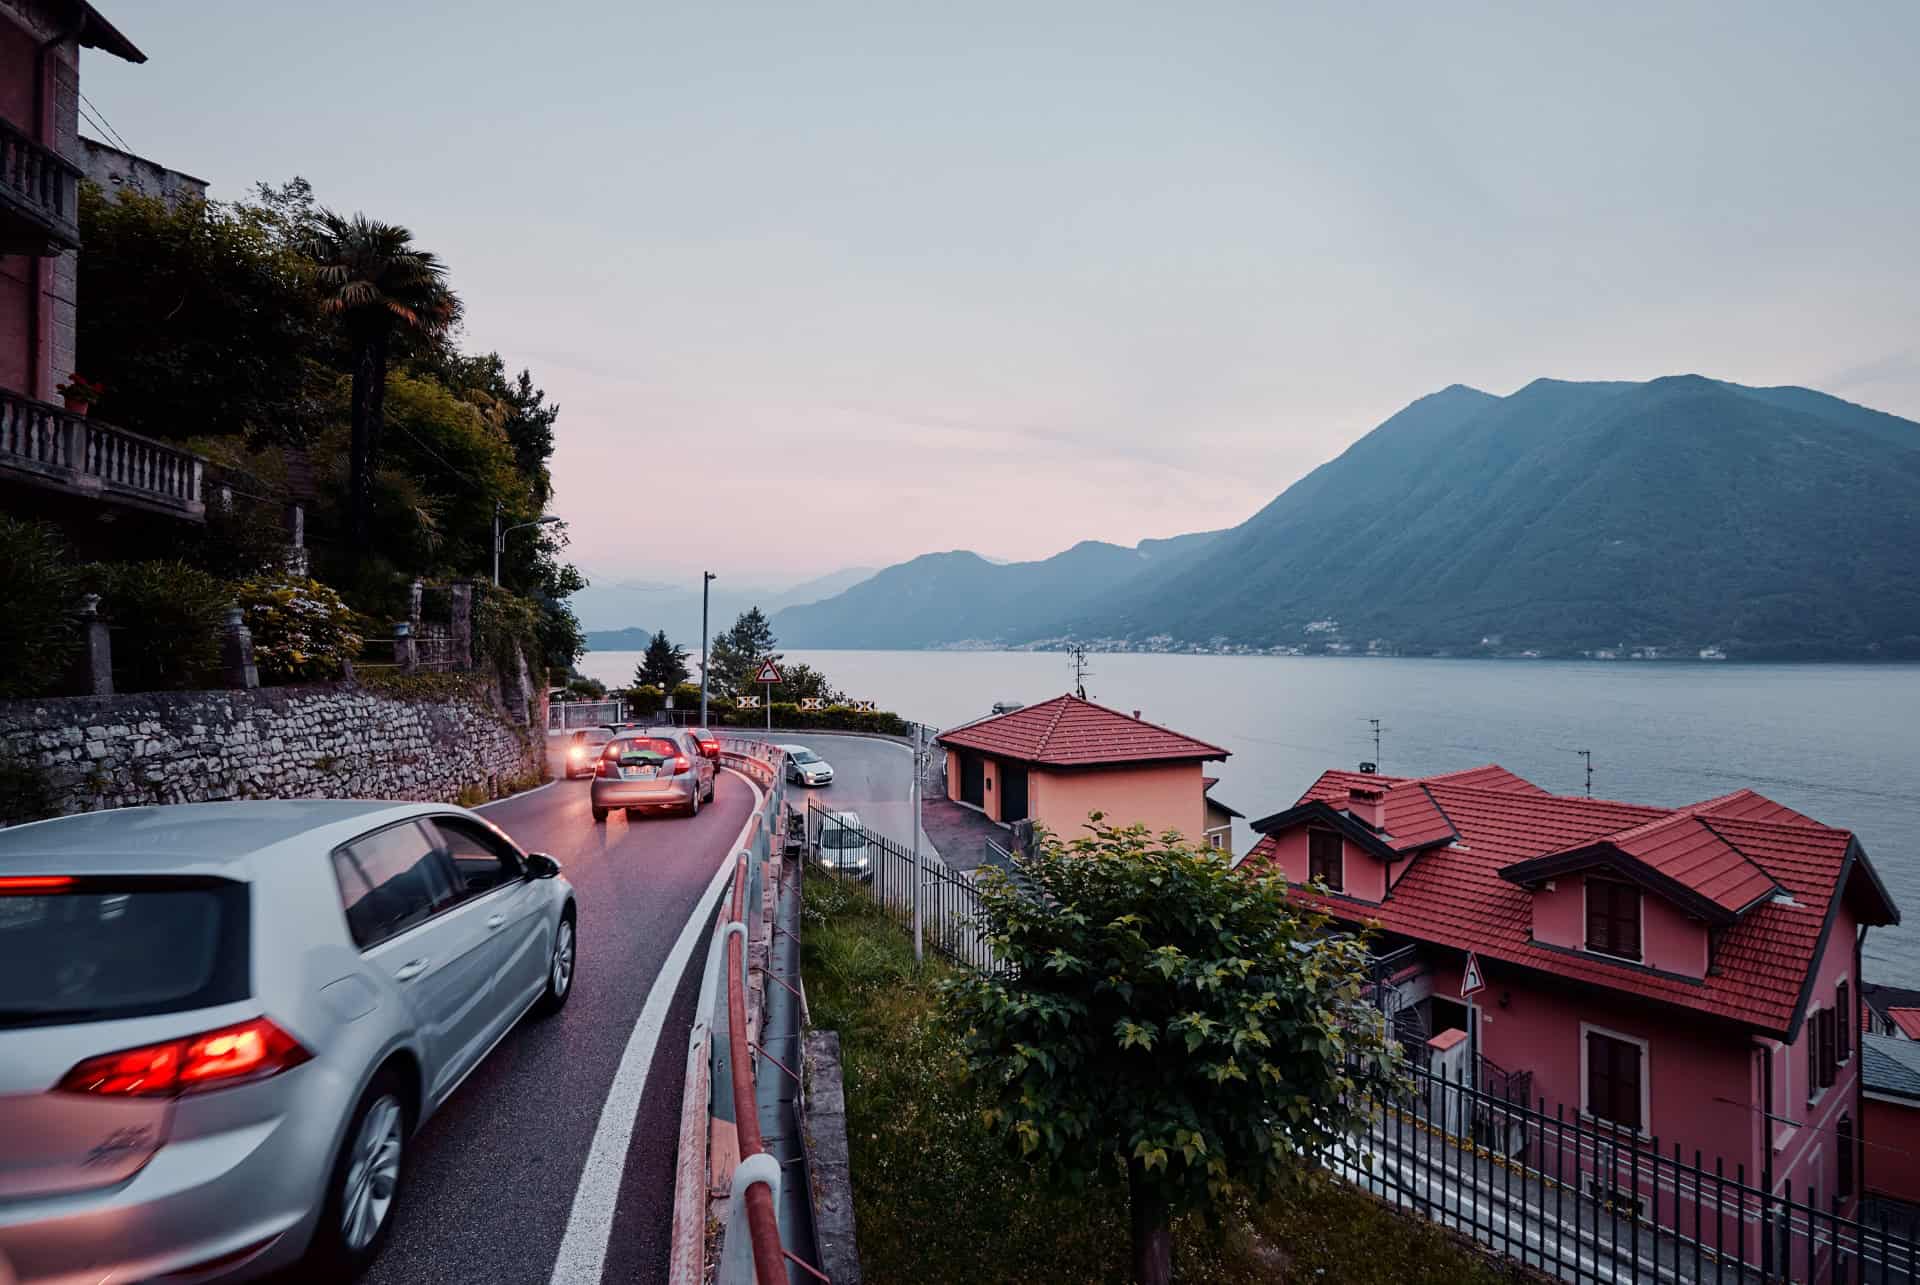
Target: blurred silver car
(221, 1023)
(804, 767)
(661, 767)
(843, 846)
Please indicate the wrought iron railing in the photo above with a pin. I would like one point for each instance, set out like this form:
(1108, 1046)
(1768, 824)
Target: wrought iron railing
(38, 181)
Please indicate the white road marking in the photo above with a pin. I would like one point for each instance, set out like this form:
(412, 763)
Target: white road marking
(494, 803)
(582, 1258)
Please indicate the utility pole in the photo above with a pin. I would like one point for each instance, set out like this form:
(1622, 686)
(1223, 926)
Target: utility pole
(1376, 741)
(1079, 655)
(499, 538)
(706, 579)
(913, 824)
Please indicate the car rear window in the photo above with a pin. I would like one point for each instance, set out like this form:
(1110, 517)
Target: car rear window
(100, 948)
(642, 748)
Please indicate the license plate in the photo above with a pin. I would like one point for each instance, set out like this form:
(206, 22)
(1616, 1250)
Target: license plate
(636, 774)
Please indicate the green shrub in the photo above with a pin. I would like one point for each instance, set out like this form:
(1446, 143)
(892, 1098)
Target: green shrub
(166, 619)
(502, 621)
(302, 630)
(40, 585)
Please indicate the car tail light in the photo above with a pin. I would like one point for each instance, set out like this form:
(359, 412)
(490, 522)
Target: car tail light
(681, 763)
(236, 1054)
(603, 768)
(33, 885)
(578, 752)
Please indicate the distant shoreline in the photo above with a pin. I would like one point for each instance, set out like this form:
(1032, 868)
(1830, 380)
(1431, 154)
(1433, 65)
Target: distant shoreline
(1690, 661)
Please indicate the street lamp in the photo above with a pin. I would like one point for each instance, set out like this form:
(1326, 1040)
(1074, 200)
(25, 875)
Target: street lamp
(706, 578)
(500, 536)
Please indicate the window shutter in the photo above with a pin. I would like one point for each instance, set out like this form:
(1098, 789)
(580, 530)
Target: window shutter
(1598, 922)
(1810, 1036)
(1842, 1003)
(1626, 1081)
(1626, 921)
(1830, 1044)
(1599, 1077)
(1844, 1131)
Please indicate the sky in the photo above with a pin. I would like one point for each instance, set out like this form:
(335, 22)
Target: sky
(897, 278)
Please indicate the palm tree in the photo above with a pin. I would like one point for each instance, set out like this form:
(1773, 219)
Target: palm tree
(380, 285)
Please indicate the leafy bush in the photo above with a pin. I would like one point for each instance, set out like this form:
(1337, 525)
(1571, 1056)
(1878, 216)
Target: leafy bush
(503, 620)
(1168, 1017)
(835, 718)
(166, 619)
(302, 630)
(40, 584)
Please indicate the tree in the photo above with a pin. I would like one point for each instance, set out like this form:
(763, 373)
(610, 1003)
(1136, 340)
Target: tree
(664, 666)
(799, 680)
(735, 656)
(379, 284)
(1166, 1016)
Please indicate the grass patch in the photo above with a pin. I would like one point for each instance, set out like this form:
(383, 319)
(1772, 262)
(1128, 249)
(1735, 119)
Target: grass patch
(937, 1198)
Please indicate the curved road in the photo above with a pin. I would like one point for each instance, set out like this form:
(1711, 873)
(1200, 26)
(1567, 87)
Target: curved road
(494, 1174)
(871, 775)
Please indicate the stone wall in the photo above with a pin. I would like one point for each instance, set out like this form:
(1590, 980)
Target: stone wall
(335, 741)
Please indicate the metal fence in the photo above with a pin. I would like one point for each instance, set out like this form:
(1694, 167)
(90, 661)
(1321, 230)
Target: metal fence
(564, 715)
(1584, 1200)
(949, 903)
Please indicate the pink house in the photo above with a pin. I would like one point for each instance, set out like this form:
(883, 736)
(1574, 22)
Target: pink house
(1055, 762)
(1679, 976)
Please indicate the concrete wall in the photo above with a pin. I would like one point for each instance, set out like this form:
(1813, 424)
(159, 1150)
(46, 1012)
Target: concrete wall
(1160, 796)
(282, 742)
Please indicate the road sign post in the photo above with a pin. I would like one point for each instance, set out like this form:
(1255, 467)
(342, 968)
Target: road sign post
(769, 674)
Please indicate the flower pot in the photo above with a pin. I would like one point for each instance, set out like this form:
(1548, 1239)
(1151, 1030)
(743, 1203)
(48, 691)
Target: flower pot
(78, 405)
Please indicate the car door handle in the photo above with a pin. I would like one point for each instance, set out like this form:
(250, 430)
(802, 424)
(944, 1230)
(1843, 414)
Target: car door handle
(494, 921)
(410, 970)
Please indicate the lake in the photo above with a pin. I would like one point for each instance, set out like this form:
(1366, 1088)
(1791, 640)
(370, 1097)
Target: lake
(1838, 742)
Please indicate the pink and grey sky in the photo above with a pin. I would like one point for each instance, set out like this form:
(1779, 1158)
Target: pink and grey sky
(900, 278)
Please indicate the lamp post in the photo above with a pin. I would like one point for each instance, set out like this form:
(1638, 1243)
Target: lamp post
(706, 579)
(500, 535)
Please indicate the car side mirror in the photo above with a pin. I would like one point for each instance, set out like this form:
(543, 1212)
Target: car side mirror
(542, 866)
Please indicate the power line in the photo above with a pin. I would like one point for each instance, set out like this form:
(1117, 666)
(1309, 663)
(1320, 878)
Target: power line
(106, 128)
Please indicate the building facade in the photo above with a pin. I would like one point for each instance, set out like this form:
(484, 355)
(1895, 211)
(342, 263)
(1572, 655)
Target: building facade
(1673, 976)
(1057, 762)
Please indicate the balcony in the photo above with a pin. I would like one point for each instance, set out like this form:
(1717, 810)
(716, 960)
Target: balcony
(39, 197)
(47, 446)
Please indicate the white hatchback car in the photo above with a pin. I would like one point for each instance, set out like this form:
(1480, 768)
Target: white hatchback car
(221, 1023)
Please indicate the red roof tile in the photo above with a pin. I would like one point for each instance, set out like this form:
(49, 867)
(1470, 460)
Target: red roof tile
(1069, 732)
(1908, 1020)
(1453, 895)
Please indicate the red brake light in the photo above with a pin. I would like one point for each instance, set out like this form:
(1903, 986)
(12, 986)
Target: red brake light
(681, 763)
(33, 885)
(248, 1051)
(603, 768)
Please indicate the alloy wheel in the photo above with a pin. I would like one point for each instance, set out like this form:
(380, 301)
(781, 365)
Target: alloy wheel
(374, 1175)
(563, 958)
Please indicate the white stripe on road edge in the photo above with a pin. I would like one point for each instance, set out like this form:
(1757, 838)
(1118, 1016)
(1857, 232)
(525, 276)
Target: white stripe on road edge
(494, 803)
(583, 1250)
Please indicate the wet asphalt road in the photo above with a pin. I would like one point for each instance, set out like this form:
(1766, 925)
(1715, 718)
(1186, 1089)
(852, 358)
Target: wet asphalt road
(493, 1175)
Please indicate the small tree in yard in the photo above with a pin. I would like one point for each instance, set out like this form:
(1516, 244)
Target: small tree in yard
(664, 665)
(1165, 1016)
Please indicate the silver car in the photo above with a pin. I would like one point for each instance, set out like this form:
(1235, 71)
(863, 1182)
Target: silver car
(660, 767)
(843, 846)
(804, 767)
(221, 1023)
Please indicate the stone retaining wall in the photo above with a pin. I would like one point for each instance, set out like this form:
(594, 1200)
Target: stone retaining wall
(331, 741)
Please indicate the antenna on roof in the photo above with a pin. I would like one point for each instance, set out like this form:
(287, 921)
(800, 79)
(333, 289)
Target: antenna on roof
(1588, 756)
(1080, 670)
(1377, 729)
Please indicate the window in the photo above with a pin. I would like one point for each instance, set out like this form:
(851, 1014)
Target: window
(1217, 840)
(1843, 1004)
(1613, 918)
(1614, 1079)
(1843, 1132)
(1323, 858)
(1821, 1034)
(481, 861)
(390, 881)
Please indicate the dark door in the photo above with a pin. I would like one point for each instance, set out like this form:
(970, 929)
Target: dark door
(973, 780)
(1013, 793)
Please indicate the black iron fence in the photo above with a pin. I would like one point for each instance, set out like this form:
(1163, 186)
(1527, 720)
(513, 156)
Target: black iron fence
(949, 903)
(1585, 1200)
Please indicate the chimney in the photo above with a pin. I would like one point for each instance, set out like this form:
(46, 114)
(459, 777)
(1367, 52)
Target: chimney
(1368, 804)
(1136, 716)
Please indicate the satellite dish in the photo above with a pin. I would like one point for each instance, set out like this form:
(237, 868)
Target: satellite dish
(1369, 768)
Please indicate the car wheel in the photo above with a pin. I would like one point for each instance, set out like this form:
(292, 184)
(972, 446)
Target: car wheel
(599, 815)
(693, 808)
(365, 1183)
(560, 966)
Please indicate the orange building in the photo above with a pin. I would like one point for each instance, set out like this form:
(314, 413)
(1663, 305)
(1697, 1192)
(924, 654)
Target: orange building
(1055, 762)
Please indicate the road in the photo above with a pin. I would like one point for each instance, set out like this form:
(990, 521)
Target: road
(494, 1176)
(871, 775)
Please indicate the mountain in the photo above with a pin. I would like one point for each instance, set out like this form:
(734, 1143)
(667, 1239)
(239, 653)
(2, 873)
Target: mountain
(631, 639)
(610, 602)
(960, 596)
(1679, 513)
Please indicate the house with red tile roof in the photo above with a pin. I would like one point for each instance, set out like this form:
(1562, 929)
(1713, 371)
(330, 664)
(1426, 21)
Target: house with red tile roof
(1056, 762)
(1687, 975)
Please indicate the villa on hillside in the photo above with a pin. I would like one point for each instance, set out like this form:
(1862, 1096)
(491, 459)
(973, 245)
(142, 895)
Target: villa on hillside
(1679, 976)
(1056, 762)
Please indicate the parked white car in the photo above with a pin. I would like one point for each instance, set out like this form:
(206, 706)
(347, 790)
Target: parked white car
(804, 767)
(843, 846)
(221, 1024)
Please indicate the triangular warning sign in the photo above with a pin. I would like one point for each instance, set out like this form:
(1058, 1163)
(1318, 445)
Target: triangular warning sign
(1470, 979)
(769, 672)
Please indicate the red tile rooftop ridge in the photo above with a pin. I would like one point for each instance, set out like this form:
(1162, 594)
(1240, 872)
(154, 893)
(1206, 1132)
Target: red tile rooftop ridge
(1069, 732)
(1907, 1019)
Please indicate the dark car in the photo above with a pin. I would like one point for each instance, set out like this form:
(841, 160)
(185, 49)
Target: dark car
(709, 743)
